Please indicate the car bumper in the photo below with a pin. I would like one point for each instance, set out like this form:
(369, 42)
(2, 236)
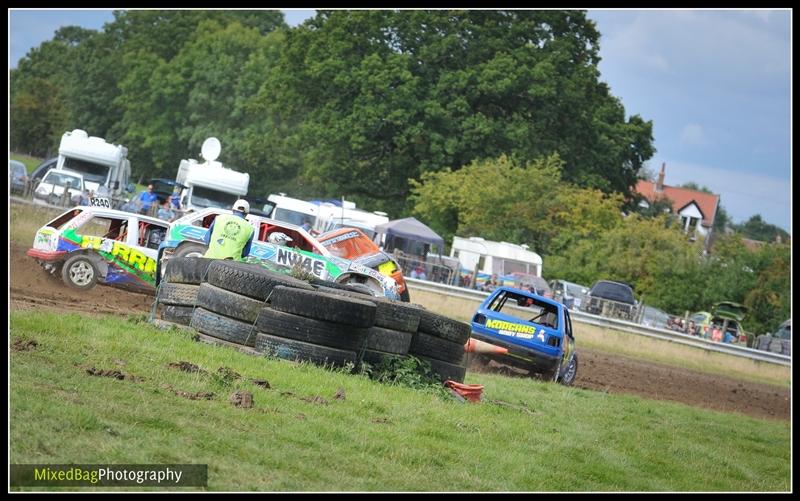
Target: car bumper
(47, 256)
(519, 355)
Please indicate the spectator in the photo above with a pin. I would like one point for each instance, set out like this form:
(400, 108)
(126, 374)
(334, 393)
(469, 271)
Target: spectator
(85, 196)
(233, 236)
(418, 272)
(692, 328)
(165, 212)
(175, 199)
(147, 198)
(716, 333)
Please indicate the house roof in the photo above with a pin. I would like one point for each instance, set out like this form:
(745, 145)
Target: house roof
(681, 197)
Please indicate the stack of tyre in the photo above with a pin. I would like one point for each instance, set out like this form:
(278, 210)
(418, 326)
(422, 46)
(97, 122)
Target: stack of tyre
(324, 323)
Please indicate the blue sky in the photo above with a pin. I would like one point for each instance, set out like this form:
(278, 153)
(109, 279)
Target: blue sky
(715, 83)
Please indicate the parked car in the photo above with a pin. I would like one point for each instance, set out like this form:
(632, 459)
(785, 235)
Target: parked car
(653, 317)
(611, 299)
(89, 245)
(533, 283)
(303, 252)
(354, 244)
(726, 316)
(568, 293)
(51, 189)
(536, 332)
(18, 176)
(778, 342)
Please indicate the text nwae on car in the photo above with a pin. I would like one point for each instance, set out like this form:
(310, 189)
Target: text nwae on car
(93, 244)
(302, 253)
(534, 332)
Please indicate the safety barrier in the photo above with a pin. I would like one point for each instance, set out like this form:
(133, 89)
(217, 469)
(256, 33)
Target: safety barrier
(472, 298)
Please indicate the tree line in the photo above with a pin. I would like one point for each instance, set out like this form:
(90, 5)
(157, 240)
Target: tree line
(493, 123)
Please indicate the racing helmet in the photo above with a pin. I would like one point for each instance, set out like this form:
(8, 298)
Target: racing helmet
(279, 238)
(241, 206)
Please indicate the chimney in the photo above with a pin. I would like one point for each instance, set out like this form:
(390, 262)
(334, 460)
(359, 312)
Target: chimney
(660, 182)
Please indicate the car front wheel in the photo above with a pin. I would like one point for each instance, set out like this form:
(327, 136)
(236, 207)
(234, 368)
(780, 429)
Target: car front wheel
(79, 272)
(568, 377)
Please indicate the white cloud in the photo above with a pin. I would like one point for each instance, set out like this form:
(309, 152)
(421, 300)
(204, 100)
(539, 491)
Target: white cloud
(742, 194)
(693, 135)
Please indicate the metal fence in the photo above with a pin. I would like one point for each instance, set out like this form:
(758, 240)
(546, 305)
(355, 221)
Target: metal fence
(476, 297)
(430, 269)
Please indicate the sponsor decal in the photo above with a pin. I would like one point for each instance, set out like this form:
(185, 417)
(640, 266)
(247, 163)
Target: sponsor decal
(511, 329)
(261, 251)
(292, 259)
(193, 232)
(121, 252)
(340, 238)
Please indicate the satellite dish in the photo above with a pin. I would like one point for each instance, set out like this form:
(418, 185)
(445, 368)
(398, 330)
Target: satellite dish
(211, 149)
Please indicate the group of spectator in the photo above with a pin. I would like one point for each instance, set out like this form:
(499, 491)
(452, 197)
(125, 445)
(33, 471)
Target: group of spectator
(143, 203)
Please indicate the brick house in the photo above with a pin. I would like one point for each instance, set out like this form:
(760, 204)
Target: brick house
(695, 209)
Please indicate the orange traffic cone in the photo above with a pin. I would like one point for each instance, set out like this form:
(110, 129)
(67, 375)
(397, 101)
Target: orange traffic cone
(471, 392)
(478, 346)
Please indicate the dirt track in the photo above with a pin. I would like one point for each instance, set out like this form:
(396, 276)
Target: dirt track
(32, 288)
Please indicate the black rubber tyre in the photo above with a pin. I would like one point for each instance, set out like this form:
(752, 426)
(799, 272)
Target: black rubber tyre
(228, 303)
(360, 289)
(191, 250)
(445, 370)
(443, 327)
(248, 279)
(186, 270)
(323, 306)
(309, 330)
(177, 314)
(79, 272)
(388, 341)
(291, 349)
(222, 327)
(177, 294)
(569, 372)
(393, 315)
(434, 347)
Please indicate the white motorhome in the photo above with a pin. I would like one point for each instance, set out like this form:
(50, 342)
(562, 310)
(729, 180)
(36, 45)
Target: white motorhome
(346, 215)
(495, 258)
(105, 167)
(210, 184)
(293, 210)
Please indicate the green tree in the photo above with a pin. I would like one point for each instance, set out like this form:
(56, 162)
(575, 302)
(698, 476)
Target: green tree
(380, 97)
(756, 228)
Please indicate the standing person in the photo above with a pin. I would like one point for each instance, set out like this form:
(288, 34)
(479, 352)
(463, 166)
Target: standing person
(147, 198)
(230, 235)
(175, 199)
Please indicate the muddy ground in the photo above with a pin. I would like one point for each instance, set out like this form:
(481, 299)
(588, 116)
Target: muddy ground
(32, 288)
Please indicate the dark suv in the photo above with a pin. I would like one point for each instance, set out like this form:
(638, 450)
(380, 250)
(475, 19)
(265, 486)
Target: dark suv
(611, 299)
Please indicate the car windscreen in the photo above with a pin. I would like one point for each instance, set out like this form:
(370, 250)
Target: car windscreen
(61, 179)
(575, 289)
(613, 291)
(206, 197)
(350, 245)
(526, 308)
(293, 217)
(91, 171)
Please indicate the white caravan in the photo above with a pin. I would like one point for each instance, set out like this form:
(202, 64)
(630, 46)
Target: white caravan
(105, 167)
(209, 184)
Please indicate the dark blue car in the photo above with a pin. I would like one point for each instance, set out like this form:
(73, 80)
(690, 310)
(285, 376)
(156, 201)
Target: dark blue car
(536, 331)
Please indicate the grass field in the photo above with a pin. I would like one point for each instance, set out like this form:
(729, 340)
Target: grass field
(29, 161)
(525, 436)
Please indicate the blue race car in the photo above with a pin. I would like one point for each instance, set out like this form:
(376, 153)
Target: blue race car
(533, 332)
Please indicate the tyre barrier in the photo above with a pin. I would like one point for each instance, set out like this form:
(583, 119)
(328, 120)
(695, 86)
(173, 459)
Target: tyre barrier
(288, 318)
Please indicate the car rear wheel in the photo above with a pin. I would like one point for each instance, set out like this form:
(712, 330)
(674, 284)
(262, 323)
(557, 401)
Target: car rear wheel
(79, 272)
